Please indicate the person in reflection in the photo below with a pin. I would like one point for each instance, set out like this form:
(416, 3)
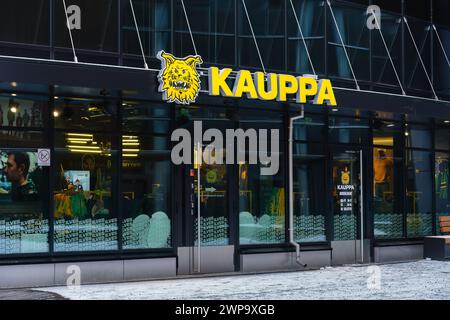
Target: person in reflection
(16, 171)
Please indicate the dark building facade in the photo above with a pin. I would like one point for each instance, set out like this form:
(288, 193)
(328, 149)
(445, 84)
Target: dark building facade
(108, 198)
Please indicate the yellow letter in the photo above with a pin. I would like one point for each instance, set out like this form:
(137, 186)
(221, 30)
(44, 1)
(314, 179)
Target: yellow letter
(307, 87)
(325, 93)
(217, 84)
(272, 86)
(244, 83)
(283, 88)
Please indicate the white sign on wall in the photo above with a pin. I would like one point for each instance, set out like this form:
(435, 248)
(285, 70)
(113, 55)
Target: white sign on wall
(43, 157)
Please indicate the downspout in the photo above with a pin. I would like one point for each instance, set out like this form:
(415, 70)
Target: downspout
(291, 189)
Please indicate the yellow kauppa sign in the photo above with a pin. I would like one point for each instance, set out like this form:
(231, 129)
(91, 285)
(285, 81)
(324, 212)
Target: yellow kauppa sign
(180, 83)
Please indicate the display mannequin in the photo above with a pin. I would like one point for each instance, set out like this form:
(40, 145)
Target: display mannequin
(382, 166)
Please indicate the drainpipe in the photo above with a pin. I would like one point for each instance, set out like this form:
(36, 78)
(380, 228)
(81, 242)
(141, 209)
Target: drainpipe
(291, 188)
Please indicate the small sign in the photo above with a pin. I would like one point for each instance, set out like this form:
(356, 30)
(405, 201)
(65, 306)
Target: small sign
(43, 157)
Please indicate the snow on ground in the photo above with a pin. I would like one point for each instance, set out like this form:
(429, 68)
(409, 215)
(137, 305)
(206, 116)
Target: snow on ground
(423, 279)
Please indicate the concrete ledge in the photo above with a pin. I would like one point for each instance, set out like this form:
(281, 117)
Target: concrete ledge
(214, 259)
(284, 260)
(56, 274)
(398, 253)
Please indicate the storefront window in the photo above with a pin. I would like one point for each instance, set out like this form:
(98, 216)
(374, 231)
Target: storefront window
(386, 133)
(441, 176)
(418, 193)
(146, 177)
(262, 212)
(309, 186)
(22, 112)
(84, 201)
(442, 138)
(418, 136)
(23, 215)
(388, 219)
(84, 114)
(348, 130)
(310, 128)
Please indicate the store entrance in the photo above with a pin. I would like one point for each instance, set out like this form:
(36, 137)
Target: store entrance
(348, 211)
(208, 245)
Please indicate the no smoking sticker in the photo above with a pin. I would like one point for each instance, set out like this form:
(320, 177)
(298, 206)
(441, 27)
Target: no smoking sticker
(43, 157)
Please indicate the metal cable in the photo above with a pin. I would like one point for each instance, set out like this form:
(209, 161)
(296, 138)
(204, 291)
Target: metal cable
(253, 35)
(343, 45)
(138, 34)
(420, 58)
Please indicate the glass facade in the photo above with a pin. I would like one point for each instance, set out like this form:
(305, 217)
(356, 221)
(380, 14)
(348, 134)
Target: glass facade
(112, 188)
(106, 33)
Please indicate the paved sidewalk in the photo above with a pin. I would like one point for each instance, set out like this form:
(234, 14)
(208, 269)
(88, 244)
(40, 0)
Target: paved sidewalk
(27, 294)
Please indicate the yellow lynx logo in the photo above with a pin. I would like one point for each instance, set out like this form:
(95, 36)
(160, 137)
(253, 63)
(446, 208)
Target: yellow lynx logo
(178, 78)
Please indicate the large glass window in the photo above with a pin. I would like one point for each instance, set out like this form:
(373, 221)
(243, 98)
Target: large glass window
(153, 19)
(85, 205)
(213, 26)
(442, 138)
(418, 193)
(310, 128)
(442, 195)
(355, 35)
(84, 114)
(418, 136)
(146, 176)
(310, 14)
(387, 168)
(440, 70)
(382, 70)
(97, 28)
(309, 186)
(415, 76)
(348, 130)
(262, 212)
(25, 21)
(23, 213)
(267, 18)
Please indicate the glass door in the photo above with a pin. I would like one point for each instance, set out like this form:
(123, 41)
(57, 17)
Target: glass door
(347, 198)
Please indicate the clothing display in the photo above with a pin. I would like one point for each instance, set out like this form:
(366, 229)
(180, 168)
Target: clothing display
(441, 178)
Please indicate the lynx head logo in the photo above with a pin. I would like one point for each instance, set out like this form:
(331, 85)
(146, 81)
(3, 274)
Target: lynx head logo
(179, 80)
